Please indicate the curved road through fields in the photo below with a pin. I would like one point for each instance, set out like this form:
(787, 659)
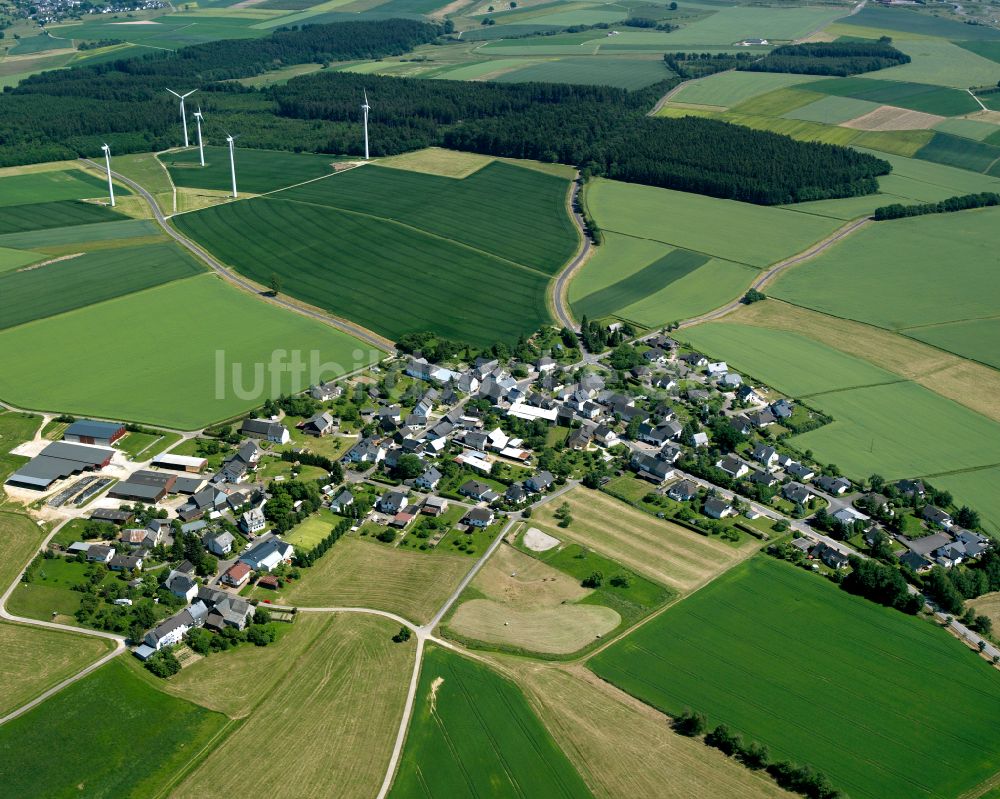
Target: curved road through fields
(560, 288)
(369, 337)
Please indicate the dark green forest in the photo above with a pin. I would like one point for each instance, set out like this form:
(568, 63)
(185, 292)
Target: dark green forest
(830, 58)
(603, 130)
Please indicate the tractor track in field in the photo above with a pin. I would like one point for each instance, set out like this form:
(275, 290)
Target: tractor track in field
(363, 334)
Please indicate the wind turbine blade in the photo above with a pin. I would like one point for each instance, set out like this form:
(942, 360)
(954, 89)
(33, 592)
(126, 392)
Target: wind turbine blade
(175, 94)
(189, 93)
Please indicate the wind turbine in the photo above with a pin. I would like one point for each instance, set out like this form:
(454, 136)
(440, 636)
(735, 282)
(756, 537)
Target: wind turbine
(107, 164)
(232, 161)
(201, 147)
(366, 108)
(184, 122)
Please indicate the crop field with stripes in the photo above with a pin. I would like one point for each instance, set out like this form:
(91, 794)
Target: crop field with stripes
(760, 650)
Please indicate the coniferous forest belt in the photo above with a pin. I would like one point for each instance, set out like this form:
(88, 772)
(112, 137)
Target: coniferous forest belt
(603, 130)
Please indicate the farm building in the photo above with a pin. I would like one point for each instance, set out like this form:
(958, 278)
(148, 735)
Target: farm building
(113, 515)
(144, 486)
(266, 430)
(180, 463)
(58, 460)
(88, 431)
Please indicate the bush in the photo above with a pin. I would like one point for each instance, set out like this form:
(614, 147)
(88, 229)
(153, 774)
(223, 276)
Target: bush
(163, 663)
(689, 723)
(402, 636)
(387, 536)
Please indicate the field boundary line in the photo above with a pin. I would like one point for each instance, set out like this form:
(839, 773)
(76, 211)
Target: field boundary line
(682, 247)
(863, 386)
(353, 329)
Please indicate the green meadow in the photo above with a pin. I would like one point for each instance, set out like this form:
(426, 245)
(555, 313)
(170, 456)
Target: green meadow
(473, 734)
(820, 677)
(169, 341)
(978, 339)
(49, 187)
(732, 88)
(905, 273)
(120, 737)
(625, 73)
(924, 97)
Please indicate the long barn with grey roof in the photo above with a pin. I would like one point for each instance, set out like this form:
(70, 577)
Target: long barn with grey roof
(58, 460)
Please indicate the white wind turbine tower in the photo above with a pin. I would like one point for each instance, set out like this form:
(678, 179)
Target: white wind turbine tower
(184, 122)
(201, 147)
(107, 164)
(366, 108)
(232, 161)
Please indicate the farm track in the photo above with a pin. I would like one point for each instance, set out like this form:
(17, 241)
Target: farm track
(772, 272)
(369, 337)
(560, 288)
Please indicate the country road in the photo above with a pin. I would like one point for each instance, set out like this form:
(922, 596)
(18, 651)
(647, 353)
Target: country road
(560, 288)
(362, 333)
(773, 271)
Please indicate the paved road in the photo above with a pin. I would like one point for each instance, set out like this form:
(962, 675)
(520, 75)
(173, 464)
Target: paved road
(561, 286)
(364, 334)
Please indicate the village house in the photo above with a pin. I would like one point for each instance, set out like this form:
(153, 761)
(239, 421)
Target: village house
(797, 493)
(392, 502)
(429, 480)
(267, 554)
(237, 574)
(253, 521)
(539, 482)
(479, 517)
(265, 430)
(319, 425)
(733, 466)
(684, 491)
(718, 508)
(342, 501)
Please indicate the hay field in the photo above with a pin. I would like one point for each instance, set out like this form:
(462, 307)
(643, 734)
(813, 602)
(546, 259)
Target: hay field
(657, 549)
(473, 734)
(438, 161)
(332, 717)
(529, 605)
(35, 659)
(887, 117)
(625, 748)
(357, 573)
(751, 649)
(170, 337)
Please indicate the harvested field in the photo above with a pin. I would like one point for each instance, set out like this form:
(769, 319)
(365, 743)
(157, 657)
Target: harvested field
(625, 748)
(358, 573)
(662, 551)
(888, 117)
(530, 605)
(438, 161)
(333, 720)
(988, 605)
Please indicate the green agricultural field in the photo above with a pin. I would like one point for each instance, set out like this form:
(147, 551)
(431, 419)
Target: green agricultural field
(473, 734)
(15, 429)
(38, 44)
(968, 128)
(832, 110)
(36, 659)
(174, 338)
(624, 73)
(941, 63)
(50, 187)
(734, 23)
(429, 247)
(958, 152)
(734, 652)
(792, 363)
(81, 234)
(862, 277)
(482, 211)
(774, 103)
(41, 216)
(800, 129)
(257, 171)
(987, 49)
(11, 259)
(868, 434)
(99, 710)
(977, 489)
(756, 235)
(170, 31)
(146, 170)
(733, 88)
(906, 21)
(978, 339)
(916, 96)
(93, 277)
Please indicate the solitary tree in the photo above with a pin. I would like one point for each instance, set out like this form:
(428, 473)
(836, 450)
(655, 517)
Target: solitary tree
(275, 284)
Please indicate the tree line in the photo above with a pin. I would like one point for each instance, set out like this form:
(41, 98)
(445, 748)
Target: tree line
(603, 130)
(959, 203)
(830, 58)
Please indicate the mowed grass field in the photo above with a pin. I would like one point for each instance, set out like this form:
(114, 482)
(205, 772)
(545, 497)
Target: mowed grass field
(356, 573)
(624, 749)
(332, 714)
(749, 649)
(257, 171)
(663, 552)
(890, 273)
(469, 259)
(105, 759)
(35, 659)
(520, 601)
(76, 282)
(880, 418)
(473, 734)
(179, 345)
